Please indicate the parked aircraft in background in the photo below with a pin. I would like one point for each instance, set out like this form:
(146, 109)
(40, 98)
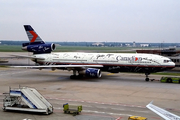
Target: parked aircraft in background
(91, 64)
(163, 113)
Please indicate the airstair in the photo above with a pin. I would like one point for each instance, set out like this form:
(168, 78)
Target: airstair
(26, 99)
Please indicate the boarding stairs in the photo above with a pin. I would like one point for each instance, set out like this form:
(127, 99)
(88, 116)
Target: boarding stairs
(32, 98)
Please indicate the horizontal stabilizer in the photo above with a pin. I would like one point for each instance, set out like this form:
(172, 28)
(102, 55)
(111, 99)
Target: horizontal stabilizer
(31, 57)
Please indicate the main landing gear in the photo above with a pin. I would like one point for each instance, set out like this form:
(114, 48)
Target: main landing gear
(74, 76)
(147, 78)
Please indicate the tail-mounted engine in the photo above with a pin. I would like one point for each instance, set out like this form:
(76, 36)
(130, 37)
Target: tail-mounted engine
(38, 48)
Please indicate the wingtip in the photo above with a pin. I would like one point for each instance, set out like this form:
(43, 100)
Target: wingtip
(151, 102)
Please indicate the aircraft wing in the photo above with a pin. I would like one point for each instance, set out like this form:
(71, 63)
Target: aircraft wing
(163, 113)
(60, 66)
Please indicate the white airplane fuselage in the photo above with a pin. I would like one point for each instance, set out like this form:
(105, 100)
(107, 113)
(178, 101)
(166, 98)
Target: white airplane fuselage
(112, 62)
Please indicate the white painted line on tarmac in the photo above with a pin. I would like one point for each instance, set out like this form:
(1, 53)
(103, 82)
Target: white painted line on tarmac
(103, 107)
(59, 108)
(12, 73)
(106, 113)
(118, 109)
(119, 104)
(97, 112)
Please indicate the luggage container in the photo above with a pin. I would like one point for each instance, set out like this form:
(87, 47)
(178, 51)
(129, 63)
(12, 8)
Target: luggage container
(75, 109)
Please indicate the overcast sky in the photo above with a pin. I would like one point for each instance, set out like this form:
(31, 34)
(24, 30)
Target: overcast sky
(92, 20)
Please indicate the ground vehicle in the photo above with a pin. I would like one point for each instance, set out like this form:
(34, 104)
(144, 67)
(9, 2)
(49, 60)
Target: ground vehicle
(137, 118)
(75, 109)
(170, 79)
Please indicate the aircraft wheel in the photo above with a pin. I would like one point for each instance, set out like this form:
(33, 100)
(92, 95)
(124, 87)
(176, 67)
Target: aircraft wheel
(73, 77)
(76, 76)
(147, 79)
(80, 76)
(169, 80)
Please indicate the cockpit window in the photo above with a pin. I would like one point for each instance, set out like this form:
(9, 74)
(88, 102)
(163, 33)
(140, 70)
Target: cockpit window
(166, 61)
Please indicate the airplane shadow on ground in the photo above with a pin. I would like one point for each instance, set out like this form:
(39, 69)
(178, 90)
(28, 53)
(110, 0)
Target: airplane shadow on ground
(48, 76)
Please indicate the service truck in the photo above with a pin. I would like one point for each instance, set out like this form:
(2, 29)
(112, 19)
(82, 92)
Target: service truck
(170, 79)
(137, 118)
(75, 109)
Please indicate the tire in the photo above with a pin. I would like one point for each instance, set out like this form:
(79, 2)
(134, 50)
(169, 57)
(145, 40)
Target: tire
(73, 77)
(47, 113)
(80, 76)
(169, 80)
(147, 79)
(4, 109)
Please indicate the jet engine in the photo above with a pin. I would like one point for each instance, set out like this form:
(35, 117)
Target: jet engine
(91, 72)
(39, 48)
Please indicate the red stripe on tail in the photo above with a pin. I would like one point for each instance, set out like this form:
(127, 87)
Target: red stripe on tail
(34, 36)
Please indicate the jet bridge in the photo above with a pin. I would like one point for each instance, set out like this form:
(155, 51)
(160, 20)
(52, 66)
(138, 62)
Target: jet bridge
(26, 99)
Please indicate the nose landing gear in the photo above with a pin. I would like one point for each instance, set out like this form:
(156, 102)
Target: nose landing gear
(147, 78)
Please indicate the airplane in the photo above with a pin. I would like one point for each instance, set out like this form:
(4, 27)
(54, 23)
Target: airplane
(91, 64)
(163, 113)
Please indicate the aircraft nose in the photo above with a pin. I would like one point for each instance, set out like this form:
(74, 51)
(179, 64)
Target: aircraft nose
(173, 64)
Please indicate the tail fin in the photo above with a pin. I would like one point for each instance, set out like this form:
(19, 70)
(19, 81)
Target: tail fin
(32, 35)
(36, 44)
